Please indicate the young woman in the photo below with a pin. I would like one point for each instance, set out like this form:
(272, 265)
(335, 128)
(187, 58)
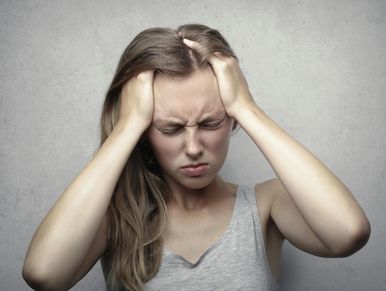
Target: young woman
(150, 203)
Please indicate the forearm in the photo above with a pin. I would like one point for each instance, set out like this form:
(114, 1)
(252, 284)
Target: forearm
(323, 200)
(64, 236)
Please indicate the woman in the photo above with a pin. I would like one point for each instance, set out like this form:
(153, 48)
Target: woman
(150, 203)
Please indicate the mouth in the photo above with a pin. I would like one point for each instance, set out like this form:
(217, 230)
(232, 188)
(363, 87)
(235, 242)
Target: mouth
(195, 170)
(194, 165)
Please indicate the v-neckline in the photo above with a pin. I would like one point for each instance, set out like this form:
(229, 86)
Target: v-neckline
(214, 245)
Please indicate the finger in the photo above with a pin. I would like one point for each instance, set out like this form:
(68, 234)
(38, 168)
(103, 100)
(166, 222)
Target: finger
(145, 75)
(221, 55)
(196, 46)
(193, 44)
(213, 58)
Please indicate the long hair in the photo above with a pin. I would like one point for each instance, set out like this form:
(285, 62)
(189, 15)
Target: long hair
(137, 213)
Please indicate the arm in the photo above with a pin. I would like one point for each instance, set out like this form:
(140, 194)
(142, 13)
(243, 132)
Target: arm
(320, 201)
(310, 202)
(72, 236)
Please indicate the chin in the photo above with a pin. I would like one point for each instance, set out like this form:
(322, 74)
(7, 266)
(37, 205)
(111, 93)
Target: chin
(196, 185)
(194, 182)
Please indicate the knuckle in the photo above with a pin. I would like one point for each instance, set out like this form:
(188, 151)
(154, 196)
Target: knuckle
(145, 75)
(141, 76)
(231, 61)
(225, 66)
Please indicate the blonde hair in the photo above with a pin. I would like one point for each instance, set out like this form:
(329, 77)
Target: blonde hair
(137, 213)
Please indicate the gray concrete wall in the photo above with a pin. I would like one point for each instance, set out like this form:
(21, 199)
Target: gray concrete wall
(318, 68)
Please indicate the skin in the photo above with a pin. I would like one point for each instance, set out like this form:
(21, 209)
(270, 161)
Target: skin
(316, 213)
(73, 235)
(306, 204)
(190, 126)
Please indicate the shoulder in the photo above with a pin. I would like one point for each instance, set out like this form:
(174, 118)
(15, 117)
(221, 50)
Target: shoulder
(266, 192)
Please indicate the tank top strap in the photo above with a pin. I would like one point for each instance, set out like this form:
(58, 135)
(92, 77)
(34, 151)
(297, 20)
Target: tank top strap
(249, 201)
(249, 195)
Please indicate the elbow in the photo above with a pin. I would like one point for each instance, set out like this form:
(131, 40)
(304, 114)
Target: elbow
(355, 241)
(39, 279)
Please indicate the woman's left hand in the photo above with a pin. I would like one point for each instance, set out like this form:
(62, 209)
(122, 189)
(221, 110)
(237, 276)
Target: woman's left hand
(232, 84)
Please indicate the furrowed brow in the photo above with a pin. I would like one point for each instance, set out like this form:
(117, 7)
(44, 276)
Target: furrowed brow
(167, 122)
(213, 118)
(174, 123)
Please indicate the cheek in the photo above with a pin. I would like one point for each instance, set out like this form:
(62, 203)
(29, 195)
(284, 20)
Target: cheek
(163, 147)
(217, 140)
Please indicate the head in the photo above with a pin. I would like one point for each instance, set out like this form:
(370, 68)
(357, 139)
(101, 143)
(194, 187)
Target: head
(189, 127)
(161, 50)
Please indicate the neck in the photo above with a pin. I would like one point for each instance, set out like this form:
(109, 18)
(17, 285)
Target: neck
(195, 199)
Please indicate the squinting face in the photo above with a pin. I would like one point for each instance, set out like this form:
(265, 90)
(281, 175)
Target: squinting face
(189, 127)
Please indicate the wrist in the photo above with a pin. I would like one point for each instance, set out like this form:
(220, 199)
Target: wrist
(132, 125)
(242, 109)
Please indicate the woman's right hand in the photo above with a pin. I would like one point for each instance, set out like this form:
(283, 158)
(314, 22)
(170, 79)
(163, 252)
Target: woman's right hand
(136, 99)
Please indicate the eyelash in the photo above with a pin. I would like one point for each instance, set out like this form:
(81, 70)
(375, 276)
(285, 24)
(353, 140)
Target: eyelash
(211, 126)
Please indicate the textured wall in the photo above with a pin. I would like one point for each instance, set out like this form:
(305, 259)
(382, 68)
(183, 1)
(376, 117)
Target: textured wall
(318, 68)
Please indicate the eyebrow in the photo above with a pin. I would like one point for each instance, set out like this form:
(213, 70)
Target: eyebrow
(174, 122)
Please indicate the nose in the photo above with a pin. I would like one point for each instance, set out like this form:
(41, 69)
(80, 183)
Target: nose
(193, 145)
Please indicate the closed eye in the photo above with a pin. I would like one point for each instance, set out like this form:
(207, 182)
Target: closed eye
(204, 125)
(213, 125)
(170, 131)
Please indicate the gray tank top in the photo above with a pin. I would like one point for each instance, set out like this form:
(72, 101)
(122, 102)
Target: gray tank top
(237, 261)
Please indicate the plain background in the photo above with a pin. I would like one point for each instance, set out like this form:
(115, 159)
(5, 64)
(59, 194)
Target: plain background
(318, 68)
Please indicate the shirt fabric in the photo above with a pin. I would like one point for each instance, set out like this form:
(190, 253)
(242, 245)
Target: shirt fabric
(237, 261)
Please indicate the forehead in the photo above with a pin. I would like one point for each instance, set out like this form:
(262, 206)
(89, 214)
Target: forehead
(187, 98)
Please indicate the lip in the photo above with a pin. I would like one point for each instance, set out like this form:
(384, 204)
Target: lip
(195, 170)
(194, 165)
